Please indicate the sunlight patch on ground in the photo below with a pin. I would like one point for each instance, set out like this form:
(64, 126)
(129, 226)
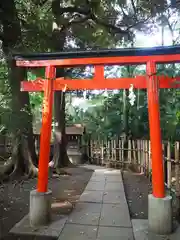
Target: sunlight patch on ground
(65, 205)
(106, 171)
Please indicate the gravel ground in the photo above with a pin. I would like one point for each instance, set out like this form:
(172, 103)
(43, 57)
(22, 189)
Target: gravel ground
(14, 197)
(137, 188)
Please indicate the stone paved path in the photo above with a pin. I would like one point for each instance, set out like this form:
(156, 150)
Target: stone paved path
(102, 212)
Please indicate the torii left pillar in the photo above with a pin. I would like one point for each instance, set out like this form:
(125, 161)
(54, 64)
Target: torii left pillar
(40, 199)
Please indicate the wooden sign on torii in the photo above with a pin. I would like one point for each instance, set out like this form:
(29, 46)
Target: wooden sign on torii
(98, 59)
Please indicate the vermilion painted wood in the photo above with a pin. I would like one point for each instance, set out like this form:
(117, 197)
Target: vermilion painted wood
(33, 86)
(140, 82)
(46, 130)
(151, 82)
(99, 73)
(155, 132)
(102, 60)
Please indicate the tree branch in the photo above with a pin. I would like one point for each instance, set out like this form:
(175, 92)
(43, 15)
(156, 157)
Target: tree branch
(108, 25)
(74, 10)
(58, 10)
(73, 21)
(88, 12)
(29, 27)
(40, 3)
(140, 22)
(134, 7)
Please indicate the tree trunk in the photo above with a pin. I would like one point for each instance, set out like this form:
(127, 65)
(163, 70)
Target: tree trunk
(60, 153)
(60, 158)
(23, 155)
(23, 148)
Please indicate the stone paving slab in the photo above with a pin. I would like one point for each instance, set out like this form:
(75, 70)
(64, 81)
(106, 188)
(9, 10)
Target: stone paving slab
(114, 186)
(98, 178)
(116, 178)
(102, 212)
(114, 197)
(140, 229)
(112, 172)
(95, 186)
(107, 172)
(78, 232)
(115, 233)
(86, 213)
(92, 196)
(115, 215)
(52, 230)
(94, 167)
(102, 170)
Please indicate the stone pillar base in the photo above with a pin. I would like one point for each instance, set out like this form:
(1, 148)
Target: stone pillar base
(40, 208)
(160, 215)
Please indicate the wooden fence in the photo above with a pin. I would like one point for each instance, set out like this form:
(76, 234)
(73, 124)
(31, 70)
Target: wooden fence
(136, 154)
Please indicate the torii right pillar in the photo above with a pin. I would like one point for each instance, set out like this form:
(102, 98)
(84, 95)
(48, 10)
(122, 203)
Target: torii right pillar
(159, 204)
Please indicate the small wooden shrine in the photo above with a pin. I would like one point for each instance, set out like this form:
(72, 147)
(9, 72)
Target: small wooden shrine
(74, 134)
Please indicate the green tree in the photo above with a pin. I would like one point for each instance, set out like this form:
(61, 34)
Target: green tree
(23, 152)
(39, 25)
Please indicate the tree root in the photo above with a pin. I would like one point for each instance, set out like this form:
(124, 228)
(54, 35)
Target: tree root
(57, 168)
(7, 167)
(33, 172)
(20, 164)
(9, 172)
(56, 172)
(31, 169)
(61, 171)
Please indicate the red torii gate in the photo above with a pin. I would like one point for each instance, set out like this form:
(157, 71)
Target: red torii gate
(151, 82)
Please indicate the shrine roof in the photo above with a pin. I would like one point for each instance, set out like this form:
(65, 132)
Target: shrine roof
(76, 129)
(118, 52)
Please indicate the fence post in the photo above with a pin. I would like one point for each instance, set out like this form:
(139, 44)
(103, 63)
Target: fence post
(129, 152)
(139, 155)
(91, 150)
(134, 153)
(169, 170)
(108, 152)
(102, 152)
(122, 147)
(177, 169)
(113, 155)
(146, 157)
(142, 156)
(164, 161)
(117, 151)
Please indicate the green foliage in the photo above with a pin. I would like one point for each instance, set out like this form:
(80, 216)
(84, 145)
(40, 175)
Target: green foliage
(95, 24)
(5, 98)
(105, 117)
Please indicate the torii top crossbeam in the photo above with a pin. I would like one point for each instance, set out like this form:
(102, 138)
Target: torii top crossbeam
(100, 58)
(131, 53)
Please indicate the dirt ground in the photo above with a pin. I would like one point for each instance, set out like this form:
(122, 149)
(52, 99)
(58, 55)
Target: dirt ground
(137, 188)
(14, 197)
